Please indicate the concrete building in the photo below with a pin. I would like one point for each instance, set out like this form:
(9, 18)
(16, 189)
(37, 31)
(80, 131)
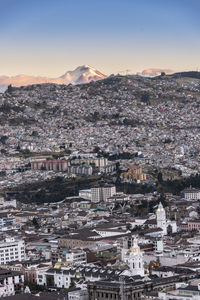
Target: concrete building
(56, 165)
(7, 224)
(132, 288)
(85, 194)
(10, 282)
(70, 257)
(134, 174)
(98, 162)
(191, 194)
(78, 295)
(80, 170)
(11, 250)
(102, 193)
(7, 203)
(133, 257)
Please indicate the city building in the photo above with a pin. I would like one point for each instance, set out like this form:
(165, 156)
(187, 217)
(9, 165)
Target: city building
(80, 170)
(134, 174)
(78, 294)
(133, 257)
(85, 194)
(102, 193)
(56, 165)
(163, 223)
(10, 282)
(161, 218)
(7, 203)
(11, 249)
(8, 223)
(70, 257)
(190, 194)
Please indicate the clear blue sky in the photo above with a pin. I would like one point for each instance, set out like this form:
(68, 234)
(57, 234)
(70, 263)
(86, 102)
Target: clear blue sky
(48, 37)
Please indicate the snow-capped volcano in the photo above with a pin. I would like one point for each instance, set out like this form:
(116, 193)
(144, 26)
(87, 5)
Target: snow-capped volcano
(82, 74)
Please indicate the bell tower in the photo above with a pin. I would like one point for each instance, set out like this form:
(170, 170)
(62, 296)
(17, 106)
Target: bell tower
(135, 259)
(161, 218)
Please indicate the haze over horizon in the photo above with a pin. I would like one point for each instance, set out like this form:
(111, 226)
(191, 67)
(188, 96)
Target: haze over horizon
(48, 38)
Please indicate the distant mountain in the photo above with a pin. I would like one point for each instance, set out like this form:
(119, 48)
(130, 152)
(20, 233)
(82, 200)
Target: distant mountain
(154, 72)
(82, 74)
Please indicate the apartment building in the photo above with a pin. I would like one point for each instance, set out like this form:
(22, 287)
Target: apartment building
(191, 194)
(11, 249)
(10, 282)
(57, 165)
(73, 256)
(102, 193)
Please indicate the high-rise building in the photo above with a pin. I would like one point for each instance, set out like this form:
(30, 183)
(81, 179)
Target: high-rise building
(102, 193)
(11, 250)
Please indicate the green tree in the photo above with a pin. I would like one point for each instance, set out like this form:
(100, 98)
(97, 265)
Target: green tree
(145, 98)
(3, 139)
(160, 177)
(10, 88)
(35, 223)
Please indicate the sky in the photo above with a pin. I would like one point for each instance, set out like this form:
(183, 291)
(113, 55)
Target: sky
(50, 37)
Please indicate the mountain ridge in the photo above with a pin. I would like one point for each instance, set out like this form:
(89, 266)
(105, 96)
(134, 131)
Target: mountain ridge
(82, 74)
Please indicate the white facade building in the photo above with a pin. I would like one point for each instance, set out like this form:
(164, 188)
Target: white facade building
(102, 193)
(85, 194)
(134, 259)
(161, 218)
(7, 290)
(162, 222)
(54, 278)
(76, 257)
(7, 203)
(191, 194)
(9, 282)
(11, 250)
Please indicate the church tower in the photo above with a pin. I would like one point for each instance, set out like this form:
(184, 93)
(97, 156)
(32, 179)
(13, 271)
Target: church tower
(161, 218)
(134, 259)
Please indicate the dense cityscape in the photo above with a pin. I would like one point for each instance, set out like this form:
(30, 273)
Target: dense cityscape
(100, 189)
(99, 150)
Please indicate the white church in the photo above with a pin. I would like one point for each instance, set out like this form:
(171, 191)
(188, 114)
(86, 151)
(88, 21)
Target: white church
(133, 257)
(162, 221)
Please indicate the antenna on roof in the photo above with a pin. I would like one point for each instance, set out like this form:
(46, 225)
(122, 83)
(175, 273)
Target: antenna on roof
(125, 71)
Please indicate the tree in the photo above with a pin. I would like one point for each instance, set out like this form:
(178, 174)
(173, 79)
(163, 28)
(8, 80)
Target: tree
(145, 98)
(35, 223)
(3, 139)
(3, 151)
(10, 88)
(160, 177)
(128, 226)
(34, 133)
(26, 151)
(96, 149)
